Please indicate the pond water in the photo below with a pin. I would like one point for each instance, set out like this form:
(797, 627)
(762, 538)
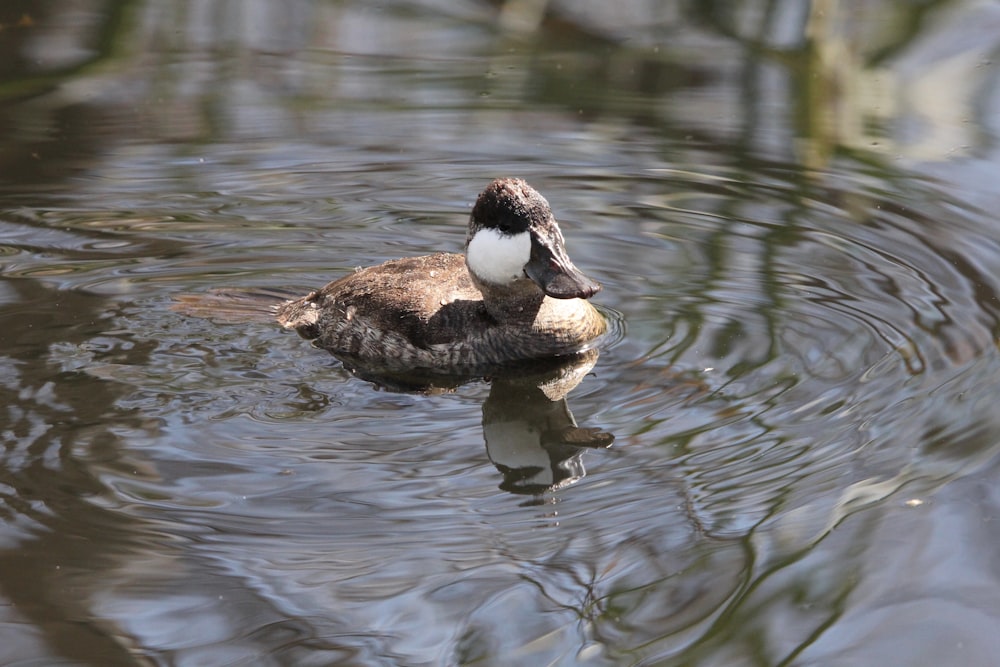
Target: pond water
(792, 208)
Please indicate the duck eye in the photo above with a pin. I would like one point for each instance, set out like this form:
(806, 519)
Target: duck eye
(506, 224)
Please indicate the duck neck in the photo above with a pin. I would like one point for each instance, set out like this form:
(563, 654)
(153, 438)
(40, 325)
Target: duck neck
(518, 301)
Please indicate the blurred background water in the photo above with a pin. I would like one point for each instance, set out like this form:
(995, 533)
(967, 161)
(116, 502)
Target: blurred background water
(791, 204)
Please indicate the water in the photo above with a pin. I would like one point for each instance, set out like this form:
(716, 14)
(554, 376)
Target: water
(792, 210)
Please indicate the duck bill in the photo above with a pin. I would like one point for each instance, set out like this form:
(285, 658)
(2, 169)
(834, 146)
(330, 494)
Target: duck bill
(552, 270)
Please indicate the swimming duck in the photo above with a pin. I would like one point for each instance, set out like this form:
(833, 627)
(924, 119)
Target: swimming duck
(515, 295)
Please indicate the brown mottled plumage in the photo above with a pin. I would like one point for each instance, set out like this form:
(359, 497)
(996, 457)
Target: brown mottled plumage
(431, 312)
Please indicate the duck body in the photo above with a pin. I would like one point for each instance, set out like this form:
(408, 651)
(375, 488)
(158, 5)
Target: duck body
(514, 295)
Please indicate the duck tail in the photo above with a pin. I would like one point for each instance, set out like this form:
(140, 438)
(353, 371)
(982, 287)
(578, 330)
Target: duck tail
(233, 305)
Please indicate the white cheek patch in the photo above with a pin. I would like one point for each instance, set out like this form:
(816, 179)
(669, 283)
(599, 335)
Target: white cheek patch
(498, 258)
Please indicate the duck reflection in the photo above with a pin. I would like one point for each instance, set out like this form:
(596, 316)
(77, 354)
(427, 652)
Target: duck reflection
(531, 435)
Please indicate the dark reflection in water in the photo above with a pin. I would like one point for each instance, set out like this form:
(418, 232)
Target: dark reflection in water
(531, 436)
(790, 204)
(46, 507)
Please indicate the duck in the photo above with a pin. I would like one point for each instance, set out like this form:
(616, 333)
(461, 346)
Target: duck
(513, 296)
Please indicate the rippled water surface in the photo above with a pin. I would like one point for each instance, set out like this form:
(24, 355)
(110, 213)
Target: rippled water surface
(792, 208)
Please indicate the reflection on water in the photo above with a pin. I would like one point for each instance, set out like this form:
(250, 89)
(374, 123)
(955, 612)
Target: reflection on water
(791, 205)
(531, 436)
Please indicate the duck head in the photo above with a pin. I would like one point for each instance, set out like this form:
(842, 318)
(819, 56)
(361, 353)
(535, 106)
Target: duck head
(514, 237)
